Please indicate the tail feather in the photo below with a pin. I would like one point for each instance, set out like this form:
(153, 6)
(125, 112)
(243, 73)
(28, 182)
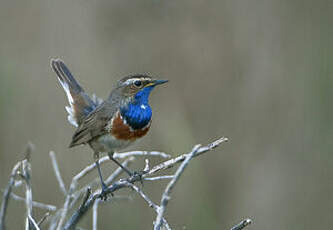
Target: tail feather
(80, 104)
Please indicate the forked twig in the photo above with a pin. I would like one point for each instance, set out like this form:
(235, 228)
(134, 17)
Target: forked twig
(242, 224)
(149, 202)
(166, 194)
(7, 194)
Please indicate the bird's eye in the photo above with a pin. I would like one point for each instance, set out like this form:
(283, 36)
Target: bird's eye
(137, 83)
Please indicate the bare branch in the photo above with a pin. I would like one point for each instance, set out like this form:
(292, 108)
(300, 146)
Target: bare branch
(78, 214)
(46, 215)
(57, 172)
(173, 161)
(141, 153)
(89, 169)
(18, 183)
(36, 204)
(95, 210)
(147, 167)
(33, 223)
(96, 181)
(63, 212)
(86, 204)
(159, 177)
(242, 224)
(149, 202)
(166, 195)
(26, 168)
(7, 194)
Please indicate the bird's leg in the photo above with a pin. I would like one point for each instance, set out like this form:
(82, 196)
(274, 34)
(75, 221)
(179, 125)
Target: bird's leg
(110, 154)
(129, 172)
(103, 185)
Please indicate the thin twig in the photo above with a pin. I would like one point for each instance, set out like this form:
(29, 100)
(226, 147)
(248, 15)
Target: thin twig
(36, 204)
(89, 169)
(141, 153)
(33, 223)
(80, 175)
(242, 224)
(71, 224)
(166, 194)
(7, 194)
(149, 202)
(46, 215)
(57, 172)
(95, 214)
(63, 212)
(26, 174)
(54, 220)
(147, 167)
(170, 163)
(159, 177)
(18, 183)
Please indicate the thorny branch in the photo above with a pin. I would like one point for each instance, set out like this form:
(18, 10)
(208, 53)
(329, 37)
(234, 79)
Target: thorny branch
(91, 194)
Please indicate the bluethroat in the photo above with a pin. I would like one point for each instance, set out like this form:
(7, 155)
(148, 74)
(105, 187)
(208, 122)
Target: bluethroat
(112, 124)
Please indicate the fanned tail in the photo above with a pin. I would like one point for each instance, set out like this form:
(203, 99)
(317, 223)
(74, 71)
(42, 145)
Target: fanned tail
(80, 104)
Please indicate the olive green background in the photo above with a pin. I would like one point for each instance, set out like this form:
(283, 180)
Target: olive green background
(257, 71)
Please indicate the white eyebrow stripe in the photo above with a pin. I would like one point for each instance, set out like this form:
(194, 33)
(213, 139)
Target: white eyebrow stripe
(130, 81)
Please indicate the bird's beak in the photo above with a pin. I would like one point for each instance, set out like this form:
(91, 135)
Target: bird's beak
(159, 82)
(156, 82)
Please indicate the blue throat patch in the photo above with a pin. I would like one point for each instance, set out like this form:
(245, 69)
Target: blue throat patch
(138, 112)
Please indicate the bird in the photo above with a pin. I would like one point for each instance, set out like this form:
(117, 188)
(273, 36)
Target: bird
(112, 124)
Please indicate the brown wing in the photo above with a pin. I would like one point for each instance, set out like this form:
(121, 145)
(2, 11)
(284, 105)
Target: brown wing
(94, 125)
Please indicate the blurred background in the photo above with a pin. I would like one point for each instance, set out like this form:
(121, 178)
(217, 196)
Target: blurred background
(259, 72)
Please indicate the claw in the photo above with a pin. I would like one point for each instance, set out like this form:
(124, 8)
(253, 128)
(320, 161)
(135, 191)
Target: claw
(104, 193)
(138, 174)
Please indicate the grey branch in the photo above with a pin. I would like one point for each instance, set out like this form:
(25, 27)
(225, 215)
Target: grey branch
(36, 204)
(22, 169)
(166, 195)
(71, 195)
(57, 172)
(141, 153)
(7, 194)
(242, 224)
(59, 220)
(33, 223)
(159, 178)
(91, 167)
(79, 213)
(170, 163)
(149, 202)
(46, 215)
(26, 174)
(95, 214)
(108, 181)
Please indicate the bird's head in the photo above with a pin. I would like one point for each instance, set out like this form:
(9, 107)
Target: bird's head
(137, 88)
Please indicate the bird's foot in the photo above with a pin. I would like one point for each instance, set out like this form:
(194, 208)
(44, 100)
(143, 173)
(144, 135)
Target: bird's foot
(137, 175)
(105, 192)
